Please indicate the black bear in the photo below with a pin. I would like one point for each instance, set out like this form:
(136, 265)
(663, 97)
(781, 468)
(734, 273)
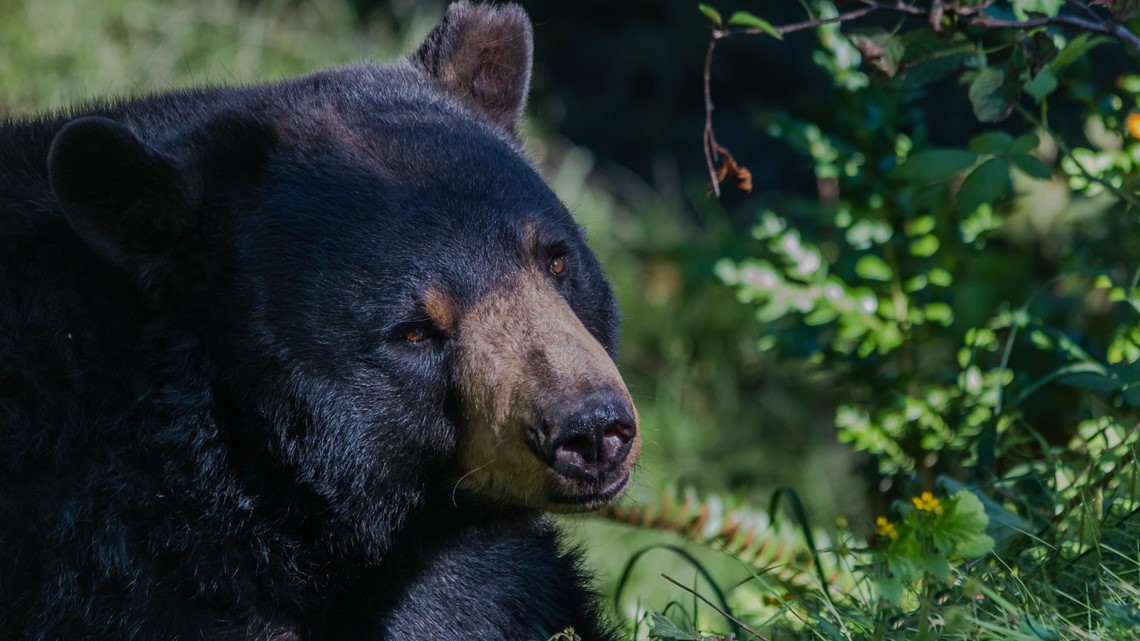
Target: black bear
(302, 361)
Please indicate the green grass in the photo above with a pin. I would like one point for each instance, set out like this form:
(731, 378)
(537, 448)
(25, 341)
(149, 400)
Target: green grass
(1072, 576)
(60, 53)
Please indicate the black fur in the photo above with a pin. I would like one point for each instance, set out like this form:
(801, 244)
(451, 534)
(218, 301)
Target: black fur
(208, 426)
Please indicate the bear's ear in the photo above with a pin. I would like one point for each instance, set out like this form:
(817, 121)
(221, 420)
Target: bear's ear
(122, 196)
(482, 55)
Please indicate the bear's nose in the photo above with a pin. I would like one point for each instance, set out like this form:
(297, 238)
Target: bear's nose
(595, 438)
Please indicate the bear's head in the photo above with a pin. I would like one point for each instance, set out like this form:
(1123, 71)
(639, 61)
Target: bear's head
(386, 296)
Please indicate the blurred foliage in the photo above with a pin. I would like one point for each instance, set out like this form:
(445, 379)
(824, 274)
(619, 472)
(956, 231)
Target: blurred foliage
(980, 301)
(914, 276)
(57, 54)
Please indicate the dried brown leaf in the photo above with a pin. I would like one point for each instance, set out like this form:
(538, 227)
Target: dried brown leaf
(729, 169)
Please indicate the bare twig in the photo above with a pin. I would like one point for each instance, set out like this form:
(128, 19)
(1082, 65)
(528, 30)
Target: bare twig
(937, 10)
(711, 148)
(970, 16)
(974, 8)
(798, 26)
(713, 606)
(1104, 26)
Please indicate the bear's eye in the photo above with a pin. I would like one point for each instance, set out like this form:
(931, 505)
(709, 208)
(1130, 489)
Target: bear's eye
(417, 335)
(558, 266)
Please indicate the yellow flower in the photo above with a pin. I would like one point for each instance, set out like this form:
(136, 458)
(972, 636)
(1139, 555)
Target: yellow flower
(928, 503)
(885, 528)
(780, 601)
(1133, 124)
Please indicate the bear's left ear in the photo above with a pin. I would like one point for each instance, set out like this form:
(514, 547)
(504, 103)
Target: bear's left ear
(125, 198)
(482, 55)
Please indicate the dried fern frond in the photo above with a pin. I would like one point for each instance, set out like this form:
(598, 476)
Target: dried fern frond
(780, 550)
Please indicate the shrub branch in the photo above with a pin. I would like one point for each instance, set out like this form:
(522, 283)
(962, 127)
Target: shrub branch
(969, 16)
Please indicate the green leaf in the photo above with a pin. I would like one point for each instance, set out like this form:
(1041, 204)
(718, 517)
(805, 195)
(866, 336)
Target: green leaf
(820, 316)
(1046, 7)
(974, 546)
(1041, 630)
(992, 143)
(1032, 166)
(934, 164)
(994, 93)
(711, 14)
(1128, 371)
(1075, 50)
(930, 71)
(963, 523)
(828, 628)
(891, 590)
(1092, 381)
(924, 45)
(1132, 395)
(904, 556)
(872, 267)
(1122, 614)
(936, 565)
(663, 628)
(930, 57)
(940, 277)
(940, 313)
(1003, 524)
(1025, 144)
(924, 246)
(987, 183)
(1043, 84)
(745, 19)
(776, 308)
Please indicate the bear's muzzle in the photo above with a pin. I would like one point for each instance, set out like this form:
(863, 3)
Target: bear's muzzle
(549, 421)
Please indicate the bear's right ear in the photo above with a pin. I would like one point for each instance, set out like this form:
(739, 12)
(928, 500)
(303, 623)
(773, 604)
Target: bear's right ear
(482, 55)
(123, 197)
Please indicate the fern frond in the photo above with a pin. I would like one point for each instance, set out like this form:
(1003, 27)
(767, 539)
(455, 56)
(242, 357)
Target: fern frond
(747, 533)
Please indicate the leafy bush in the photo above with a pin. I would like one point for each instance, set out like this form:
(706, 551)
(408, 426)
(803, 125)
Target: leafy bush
(977, 291)
(914, 274)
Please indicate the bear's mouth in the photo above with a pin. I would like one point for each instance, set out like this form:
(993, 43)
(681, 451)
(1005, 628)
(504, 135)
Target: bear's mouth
(588, 496)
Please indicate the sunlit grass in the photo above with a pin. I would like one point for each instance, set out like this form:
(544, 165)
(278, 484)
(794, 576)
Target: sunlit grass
(58, 53)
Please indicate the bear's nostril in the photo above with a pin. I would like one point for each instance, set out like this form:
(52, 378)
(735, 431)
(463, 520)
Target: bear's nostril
(621, 430)
(577, 452)
(614, 440)
(594, 438)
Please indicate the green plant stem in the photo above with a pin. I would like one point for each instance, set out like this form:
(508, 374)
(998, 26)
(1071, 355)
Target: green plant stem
(1068, 151)
(924, 613)
(713, 606)
(898, 296)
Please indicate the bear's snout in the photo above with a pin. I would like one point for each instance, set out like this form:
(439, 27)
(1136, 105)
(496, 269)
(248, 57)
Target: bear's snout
(549, 422)
(594, 440)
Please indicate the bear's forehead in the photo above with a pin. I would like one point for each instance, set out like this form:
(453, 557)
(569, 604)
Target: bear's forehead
(369, 108)
(420, 144)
